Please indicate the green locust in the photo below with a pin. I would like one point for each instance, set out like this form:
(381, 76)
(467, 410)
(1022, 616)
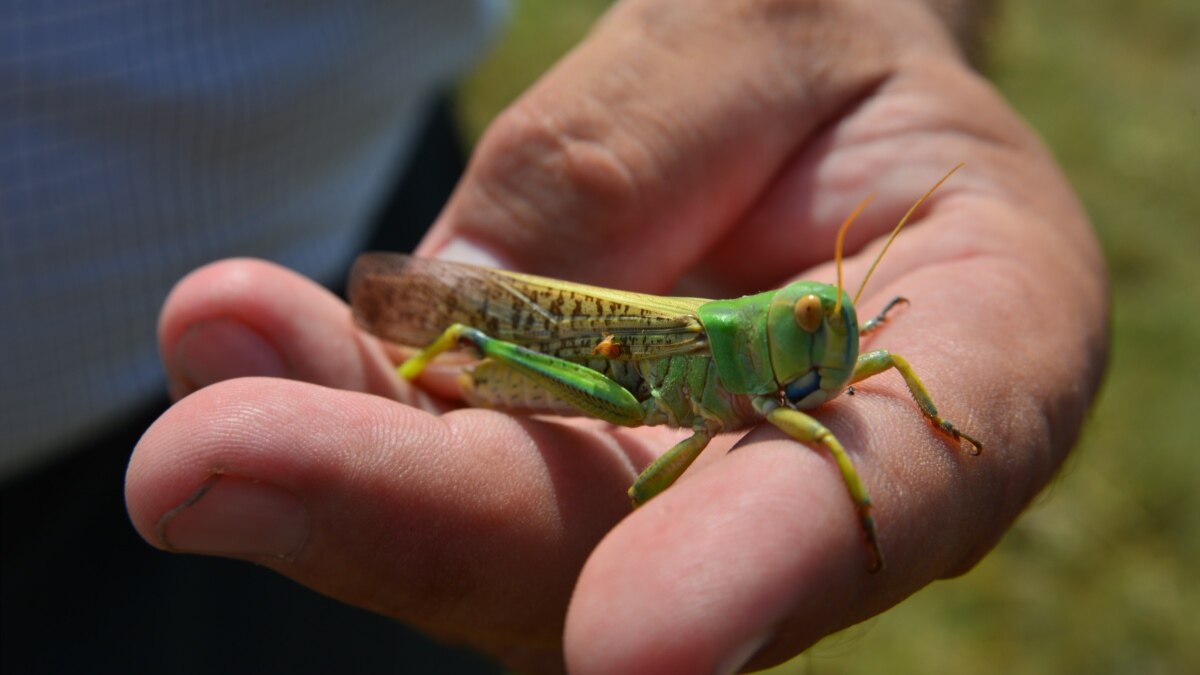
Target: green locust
(556, 347)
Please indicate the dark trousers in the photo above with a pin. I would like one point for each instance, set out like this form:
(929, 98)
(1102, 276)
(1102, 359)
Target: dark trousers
(83, 593)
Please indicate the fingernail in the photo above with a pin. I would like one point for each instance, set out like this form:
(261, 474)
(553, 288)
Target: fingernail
(238, 517)
(737, 658)
(222, 349)
(464, 251)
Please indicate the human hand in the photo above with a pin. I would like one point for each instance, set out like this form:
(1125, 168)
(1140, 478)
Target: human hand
(705, 152)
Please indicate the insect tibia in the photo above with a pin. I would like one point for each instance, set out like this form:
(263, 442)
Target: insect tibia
(455, 335)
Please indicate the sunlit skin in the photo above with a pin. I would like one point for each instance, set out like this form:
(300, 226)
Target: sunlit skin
(514, 535)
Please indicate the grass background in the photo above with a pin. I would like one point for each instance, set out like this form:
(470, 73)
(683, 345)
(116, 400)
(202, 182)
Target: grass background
(1099, 576)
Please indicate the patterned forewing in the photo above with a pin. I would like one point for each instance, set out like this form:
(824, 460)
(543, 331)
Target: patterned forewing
(410, 301)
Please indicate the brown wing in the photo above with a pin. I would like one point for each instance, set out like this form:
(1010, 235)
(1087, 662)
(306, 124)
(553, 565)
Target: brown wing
(410, 301)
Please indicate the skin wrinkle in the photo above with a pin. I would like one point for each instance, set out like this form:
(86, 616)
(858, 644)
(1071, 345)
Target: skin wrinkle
(1013, 495)
(817, 69)
(656, 161)
(856, 240)
(683, 133)
(1025, 419)
(824, 29)
(518, 132)
(442, 562)
(912, 82)
(374, 373)
(593, 167)
(765, 97)
(373, 488)
(508, 518)
(559, 158)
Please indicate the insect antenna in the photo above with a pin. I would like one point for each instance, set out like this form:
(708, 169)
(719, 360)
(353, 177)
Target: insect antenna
(892, 238)
(837, 247)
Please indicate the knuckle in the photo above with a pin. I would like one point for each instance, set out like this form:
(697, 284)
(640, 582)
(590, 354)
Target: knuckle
(555, 163)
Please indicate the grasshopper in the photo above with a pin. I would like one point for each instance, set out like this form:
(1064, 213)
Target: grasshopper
(556, 347)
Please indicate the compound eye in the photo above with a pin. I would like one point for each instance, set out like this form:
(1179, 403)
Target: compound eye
(809, 313)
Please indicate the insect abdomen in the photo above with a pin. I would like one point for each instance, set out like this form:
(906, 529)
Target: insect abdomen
(678, 391)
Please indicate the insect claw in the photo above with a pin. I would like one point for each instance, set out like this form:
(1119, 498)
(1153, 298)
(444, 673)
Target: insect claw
(876, 565)
(872, 538)
(976, 446)
(881, 318)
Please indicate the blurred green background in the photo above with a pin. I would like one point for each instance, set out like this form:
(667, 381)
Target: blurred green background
(1099, 576)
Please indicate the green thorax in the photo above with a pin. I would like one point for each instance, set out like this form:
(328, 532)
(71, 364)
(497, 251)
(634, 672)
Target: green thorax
(760, 347)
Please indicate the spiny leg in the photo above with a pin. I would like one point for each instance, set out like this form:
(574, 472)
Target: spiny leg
(664, 471)
(880, 318)
(873, 363)
(808, 430)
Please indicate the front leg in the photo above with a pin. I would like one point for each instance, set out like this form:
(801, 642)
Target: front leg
(665, 470)
(808, 430)
(873, 363)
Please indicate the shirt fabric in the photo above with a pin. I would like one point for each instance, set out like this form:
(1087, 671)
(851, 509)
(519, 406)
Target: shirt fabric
(140, 139)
